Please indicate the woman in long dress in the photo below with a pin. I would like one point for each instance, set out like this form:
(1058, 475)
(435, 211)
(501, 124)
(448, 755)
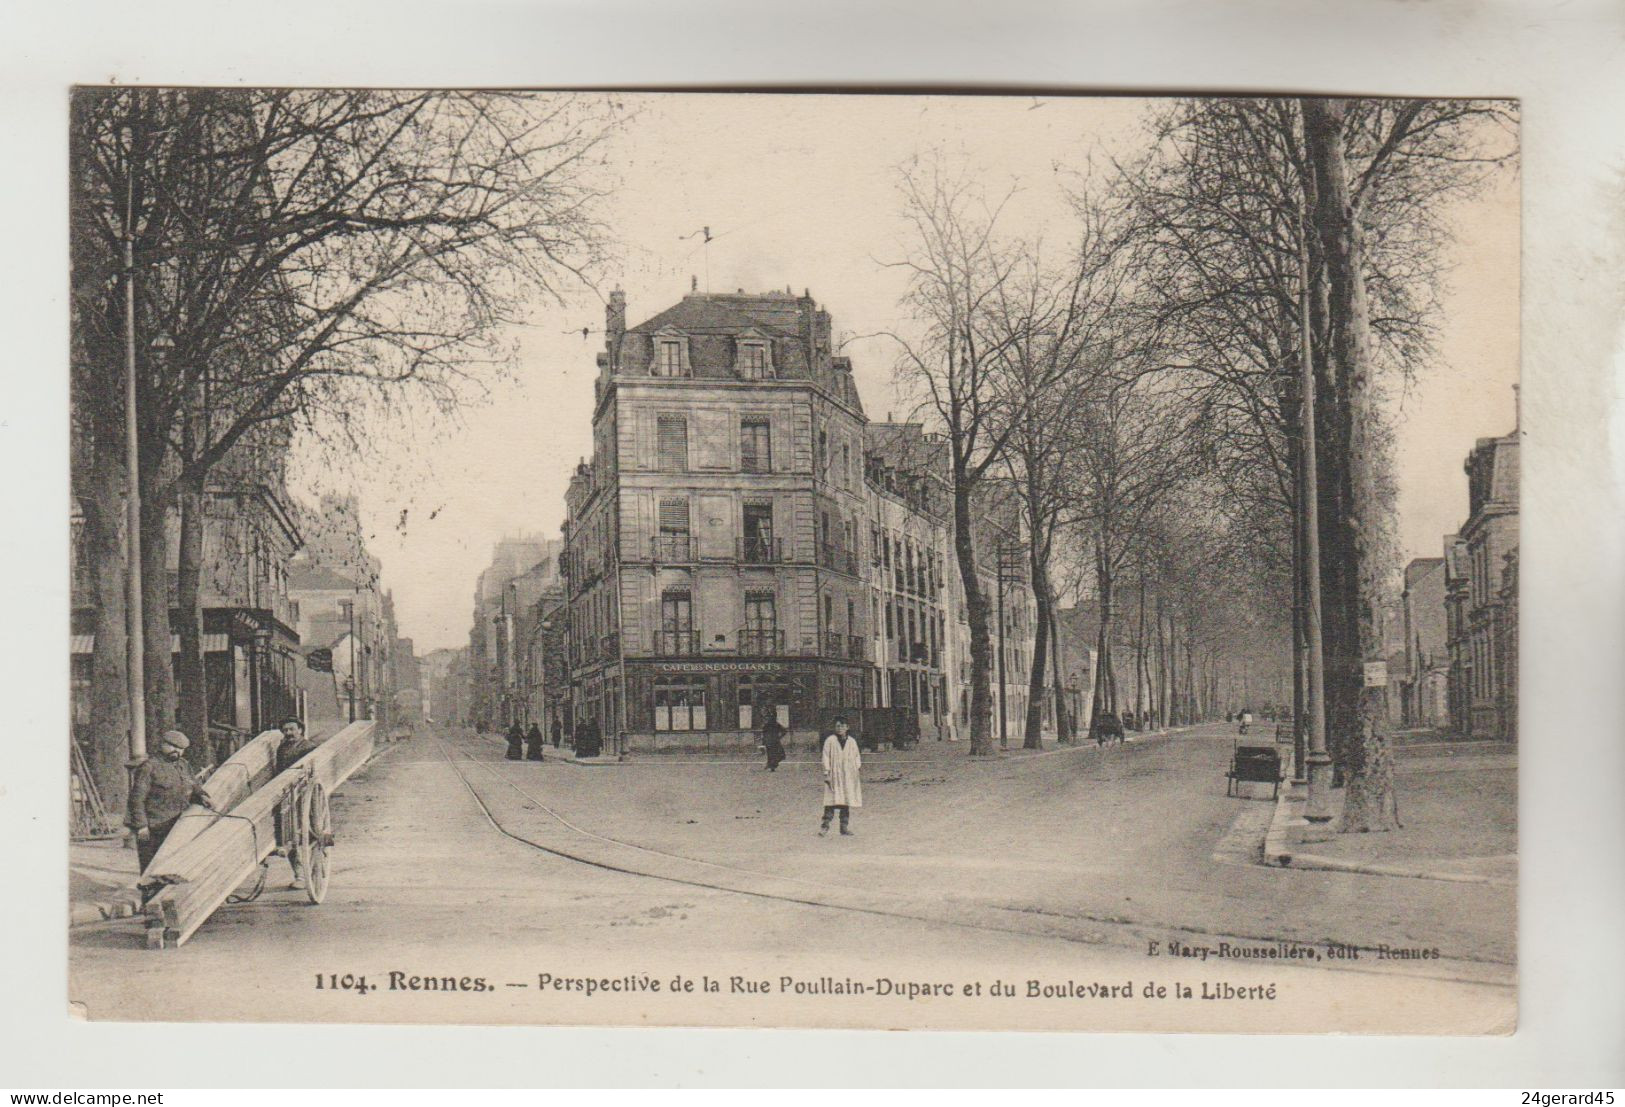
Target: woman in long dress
(843, 790)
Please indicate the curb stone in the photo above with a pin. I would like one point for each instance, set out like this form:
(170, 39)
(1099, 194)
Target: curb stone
(1285, 835)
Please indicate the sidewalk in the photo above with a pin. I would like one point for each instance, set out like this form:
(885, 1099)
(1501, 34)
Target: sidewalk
(1458, 810)
(802, 752)
(101, 881)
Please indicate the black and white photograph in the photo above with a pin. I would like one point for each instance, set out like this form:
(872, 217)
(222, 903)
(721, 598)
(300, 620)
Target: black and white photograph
(910, 560)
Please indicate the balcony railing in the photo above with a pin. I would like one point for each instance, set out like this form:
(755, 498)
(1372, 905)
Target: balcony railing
(673, 549)
(847, 647)
(761, 642)
(835, 557)
(677, 643)
(761, 551)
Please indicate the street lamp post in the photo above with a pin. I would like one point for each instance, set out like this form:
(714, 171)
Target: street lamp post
(1317, 808)
(1004, 737)
(135, 648)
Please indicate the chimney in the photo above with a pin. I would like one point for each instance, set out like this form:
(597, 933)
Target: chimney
(614, 320)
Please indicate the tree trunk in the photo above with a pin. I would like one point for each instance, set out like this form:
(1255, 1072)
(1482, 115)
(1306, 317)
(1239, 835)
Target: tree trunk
(1369, 803)
(1175, 706)
(192, 698)
(1161, 685)
(159, 662)
(1142, 674)
(108, 748)
(1034, 738)
(1063, 713)
(1105, 699)
(1338, 594)
(981, 652)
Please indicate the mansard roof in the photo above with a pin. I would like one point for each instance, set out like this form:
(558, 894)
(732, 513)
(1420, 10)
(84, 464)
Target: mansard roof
(773, 313)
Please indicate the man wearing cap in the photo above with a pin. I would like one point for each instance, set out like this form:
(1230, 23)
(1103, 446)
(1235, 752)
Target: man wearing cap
(163, 788)
(293, 747)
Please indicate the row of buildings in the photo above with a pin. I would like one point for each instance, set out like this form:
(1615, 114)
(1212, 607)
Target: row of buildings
(295, 621)
(1460, 611)
(744, 543)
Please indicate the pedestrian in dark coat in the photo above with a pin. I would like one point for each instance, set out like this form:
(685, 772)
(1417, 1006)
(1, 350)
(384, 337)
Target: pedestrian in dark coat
(516, 743)
(773, 742)
(163, 787)
(588, 742)
(558, 733)
(534, 743)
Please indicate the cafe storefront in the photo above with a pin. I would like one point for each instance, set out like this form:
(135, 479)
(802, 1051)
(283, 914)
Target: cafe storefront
(722, 704)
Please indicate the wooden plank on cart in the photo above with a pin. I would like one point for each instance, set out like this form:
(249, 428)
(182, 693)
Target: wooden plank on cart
(238, 777)
(201, 873)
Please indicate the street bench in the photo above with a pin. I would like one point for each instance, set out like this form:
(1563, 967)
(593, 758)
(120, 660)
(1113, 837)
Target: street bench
(1260, 764)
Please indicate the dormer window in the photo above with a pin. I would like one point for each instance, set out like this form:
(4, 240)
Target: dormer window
(670, 355)
(753, 359)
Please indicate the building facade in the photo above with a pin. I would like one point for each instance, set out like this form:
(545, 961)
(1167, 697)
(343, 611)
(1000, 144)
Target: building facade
(250, 618)
(1424, 678)
(712, 552)
(910, 524)
(1482, 640)
(347, 631)
(491, 670)
(745, 544)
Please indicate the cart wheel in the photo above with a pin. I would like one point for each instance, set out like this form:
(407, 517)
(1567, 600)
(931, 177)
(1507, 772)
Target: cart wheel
(320, 821)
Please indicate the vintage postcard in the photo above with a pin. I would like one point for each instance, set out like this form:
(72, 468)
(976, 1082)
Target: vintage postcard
(990, 562)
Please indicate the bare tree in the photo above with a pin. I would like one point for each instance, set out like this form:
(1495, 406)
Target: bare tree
(1136, 447)
(312, 260)
(1224, 204)
(958, 270)
(1051, 329)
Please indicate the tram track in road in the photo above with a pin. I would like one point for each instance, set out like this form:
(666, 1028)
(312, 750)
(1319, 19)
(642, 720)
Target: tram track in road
(1031, 923)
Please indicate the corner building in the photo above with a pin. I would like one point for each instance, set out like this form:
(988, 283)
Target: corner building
(712, 543)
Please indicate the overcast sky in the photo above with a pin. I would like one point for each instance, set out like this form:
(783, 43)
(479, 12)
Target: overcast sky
(800, 192)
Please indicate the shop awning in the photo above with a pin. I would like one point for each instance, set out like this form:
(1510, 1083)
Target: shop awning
(212, 643)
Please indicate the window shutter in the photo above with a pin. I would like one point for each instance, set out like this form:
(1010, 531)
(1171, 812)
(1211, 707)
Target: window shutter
(672, 442)
(674, 516)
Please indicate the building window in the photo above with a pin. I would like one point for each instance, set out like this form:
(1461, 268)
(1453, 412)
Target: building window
(668, 358)
(679, 703)
(758, 547)
(755, 446)
(677, 623)
(753, 364)
(674, 542)
(672, 443)
(760, 634)
(674, 515)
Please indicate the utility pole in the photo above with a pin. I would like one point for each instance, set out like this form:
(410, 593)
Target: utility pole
(135, 651)
(349, 610)
(1318, 762)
